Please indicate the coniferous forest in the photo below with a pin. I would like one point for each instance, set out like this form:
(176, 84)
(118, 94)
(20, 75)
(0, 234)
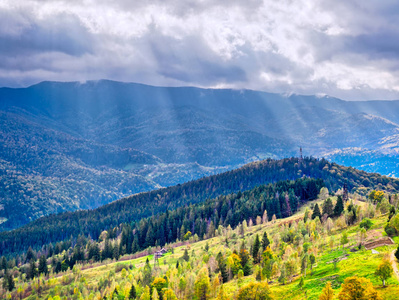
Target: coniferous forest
(61, 227)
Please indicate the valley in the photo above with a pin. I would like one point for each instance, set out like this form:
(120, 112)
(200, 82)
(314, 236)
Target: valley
(66, 146)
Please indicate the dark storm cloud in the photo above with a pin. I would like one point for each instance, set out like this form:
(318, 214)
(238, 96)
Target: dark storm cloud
(342, 48)
(62, 33)
(190, 60)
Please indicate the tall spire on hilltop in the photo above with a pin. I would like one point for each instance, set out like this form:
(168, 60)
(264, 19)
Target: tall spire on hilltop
(300, 155)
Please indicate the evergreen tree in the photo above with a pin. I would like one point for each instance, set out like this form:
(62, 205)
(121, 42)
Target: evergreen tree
(186, 257)
(316, 212)
(255, 250)
(31, 271)
(3, 263)
(222, 267)
(207, 246)
(397, 253)
(328, 207)
(107, 251)
(339, 207)
(57, 268)
(265, 241)
(43, 269)
(30, 255)
(8, 281)
(115, 252)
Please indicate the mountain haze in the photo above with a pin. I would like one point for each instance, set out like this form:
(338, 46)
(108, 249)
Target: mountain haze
(68, 146)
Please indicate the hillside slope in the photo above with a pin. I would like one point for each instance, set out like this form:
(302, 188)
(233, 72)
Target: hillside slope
(68, 146)
(132, 209)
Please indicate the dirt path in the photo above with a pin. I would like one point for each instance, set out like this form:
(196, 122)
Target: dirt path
(394, 265)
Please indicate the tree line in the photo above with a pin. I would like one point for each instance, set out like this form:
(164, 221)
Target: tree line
(60, 227)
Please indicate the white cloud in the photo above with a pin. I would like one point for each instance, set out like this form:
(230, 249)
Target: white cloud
(340, 48)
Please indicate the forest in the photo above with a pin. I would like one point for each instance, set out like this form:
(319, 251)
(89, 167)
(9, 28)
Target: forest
(61, 227)
(291, 239)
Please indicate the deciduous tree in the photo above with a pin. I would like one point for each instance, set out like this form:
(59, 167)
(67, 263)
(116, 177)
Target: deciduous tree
(327, 293)
(384, 271)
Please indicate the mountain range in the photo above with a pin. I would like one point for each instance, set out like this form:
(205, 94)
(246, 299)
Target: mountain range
(70, 146)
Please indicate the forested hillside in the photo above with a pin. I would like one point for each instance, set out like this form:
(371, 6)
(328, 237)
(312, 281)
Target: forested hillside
(70, 146)
(230, 247)
(60, 227)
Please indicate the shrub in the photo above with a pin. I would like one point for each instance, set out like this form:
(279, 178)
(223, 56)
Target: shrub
(366, 223)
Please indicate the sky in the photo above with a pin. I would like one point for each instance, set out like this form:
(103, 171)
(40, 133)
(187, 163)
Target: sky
(345, 49)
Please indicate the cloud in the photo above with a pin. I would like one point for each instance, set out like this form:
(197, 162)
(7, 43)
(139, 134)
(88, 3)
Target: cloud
(342, 48)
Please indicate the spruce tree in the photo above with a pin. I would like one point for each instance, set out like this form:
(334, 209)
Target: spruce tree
(8, 282)
(186, 257)
(3, 263)
(328, 207)
(32, 271)
(316, 212)
(397, 253)
(43, 265)
(255, 249)
(339, 207)
(30, 255)
(132, 293)
(265, 241)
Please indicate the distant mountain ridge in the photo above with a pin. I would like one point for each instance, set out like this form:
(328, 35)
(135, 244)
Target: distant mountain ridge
(68, 146)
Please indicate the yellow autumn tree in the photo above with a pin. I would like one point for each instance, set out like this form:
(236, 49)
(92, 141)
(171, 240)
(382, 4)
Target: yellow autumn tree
(168, 294)
(358, 288)
(327, 293)
(146, 294)
(202, 285)
(255, 290)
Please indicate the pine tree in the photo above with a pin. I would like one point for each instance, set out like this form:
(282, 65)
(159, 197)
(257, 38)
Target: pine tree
(32, 271)
(222, 267)
(255, 250)
(339, 207)
(316, 212)
(265, 241)
(8, 281)
(30, 255)
(328, 207)
(132, 292)
(3, 263)
(397, 253)
(43, 269)
(186, 257)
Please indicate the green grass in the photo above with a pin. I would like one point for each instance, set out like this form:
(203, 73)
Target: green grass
(360, 263)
